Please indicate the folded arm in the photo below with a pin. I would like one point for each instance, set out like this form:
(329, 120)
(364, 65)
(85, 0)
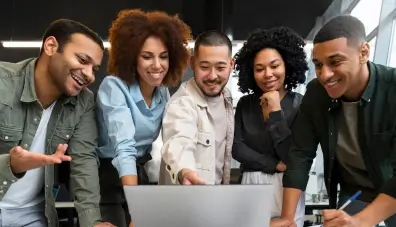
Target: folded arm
(280, 134)
(246, 155)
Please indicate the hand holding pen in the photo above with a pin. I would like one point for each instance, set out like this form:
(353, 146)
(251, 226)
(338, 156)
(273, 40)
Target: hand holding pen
(339, 218)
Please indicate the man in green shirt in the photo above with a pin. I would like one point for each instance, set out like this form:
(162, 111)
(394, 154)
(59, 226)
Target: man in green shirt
(350, 109)
(45, 111)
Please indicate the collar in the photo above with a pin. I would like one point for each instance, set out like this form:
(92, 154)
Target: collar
(29, 90)
(200, 98)
(70, 99)
(138, 97)
(368, 91)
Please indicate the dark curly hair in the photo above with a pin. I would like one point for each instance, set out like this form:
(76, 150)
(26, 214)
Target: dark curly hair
(128, 34)
(289, 45)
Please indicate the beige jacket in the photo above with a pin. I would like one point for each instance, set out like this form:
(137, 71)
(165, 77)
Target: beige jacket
(189, 137)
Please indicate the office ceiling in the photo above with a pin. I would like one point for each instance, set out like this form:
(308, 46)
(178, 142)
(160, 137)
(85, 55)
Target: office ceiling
(23, 20)
(27, 20)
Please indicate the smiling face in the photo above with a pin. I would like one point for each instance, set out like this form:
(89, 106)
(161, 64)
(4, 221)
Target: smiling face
(212, 66)
(269, 70)
(153, 62)
(74, 67)
(339, 66)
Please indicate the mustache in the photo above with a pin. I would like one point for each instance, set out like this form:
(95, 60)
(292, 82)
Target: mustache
(216, 81)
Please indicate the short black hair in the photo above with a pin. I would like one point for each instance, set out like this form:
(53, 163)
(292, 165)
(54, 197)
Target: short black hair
(212, 38)
(345, 26)
(289, 45)
(63, 29)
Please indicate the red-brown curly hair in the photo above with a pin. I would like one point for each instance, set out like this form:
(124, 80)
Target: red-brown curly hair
(130, 30)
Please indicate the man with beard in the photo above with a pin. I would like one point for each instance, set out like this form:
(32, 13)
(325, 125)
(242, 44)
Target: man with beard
(198, 124)
(45, 111)
(350, 110)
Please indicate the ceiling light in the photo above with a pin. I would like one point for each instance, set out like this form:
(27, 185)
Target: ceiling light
(21, 44)
(37, 44)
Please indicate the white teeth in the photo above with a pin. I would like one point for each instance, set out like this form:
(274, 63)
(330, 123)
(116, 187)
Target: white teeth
(155, 74)
(78, 79)
(331, 83)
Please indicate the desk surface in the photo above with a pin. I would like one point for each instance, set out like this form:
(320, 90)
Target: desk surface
(64, 204)
(317, 204)
(71, 204)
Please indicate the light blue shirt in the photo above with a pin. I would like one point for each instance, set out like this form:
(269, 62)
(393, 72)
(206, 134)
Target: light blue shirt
(127, 126)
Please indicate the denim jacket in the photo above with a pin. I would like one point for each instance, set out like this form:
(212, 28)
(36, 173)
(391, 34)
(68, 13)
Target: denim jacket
(72, 121)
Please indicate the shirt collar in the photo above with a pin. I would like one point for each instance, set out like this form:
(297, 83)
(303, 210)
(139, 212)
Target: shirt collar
(138, 97)
(29, 91)
(369, 90)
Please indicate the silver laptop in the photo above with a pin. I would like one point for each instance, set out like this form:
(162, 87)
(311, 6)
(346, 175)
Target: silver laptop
(200, 206)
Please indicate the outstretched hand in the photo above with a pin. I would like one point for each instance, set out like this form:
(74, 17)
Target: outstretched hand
(22, 160)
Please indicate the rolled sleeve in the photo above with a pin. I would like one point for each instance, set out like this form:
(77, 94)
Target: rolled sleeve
(389, 186)
(179, 133)
(125, 164)
(120, 126)
(86, 219)
(242, 152)
(6, 173)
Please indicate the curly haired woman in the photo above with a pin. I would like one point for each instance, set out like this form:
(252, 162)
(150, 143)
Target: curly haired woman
(270, 64)
(148, 53)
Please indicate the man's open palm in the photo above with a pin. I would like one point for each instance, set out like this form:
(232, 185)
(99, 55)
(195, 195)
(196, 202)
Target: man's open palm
(23, 160)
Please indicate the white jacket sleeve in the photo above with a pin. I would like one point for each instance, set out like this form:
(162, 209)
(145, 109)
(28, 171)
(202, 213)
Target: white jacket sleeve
(179, 134)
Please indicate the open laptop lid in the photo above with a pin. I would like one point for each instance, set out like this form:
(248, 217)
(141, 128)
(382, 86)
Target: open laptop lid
(200, 206)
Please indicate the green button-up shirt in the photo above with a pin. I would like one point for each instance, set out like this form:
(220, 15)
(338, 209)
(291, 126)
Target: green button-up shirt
(316, 122)
(72, 121)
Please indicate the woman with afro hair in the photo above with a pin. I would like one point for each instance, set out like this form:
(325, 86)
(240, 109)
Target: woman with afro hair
(270, 65)
(148, 53)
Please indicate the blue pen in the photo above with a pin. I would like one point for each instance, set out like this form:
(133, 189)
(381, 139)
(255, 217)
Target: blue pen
(350, 200)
